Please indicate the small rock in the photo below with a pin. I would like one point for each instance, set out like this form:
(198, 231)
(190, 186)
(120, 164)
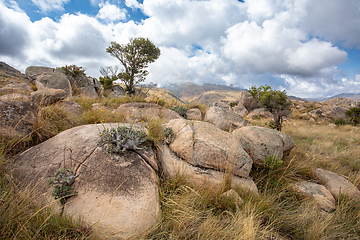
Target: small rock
(194, 114)
(317, 192)
(48, 96)
(336, 184)
(233, 196)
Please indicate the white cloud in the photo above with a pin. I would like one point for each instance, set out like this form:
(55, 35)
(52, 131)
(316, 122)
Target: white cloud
(50, 5)
(334, 20)
(133, 4)
(110, 12)
(220, 41)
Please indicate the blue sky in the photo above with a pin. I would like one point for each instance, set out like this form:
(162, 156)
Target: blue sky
(308, 48)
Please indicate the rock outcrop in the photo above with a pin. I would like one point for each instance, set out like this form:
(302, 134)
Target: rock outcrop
(224, 118)
(194, 114)
(117, 193)
(17, 117)
(141, 111)
(260, 143)
(54, 80)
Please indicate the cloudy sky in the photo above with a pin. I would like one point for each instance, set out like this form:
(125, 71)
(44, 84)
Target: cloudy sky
(310, 48)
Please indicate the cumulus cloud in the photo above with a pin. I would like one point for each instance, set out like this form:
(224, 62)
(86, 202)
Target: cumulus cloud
(13, 31)
(333, 20)
(50, 5)
(110, 12)
(247, 43)
(133, 4)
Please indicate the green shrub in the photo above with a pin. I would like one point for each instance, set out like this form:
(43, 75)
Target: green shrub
(234, 104)
(340, 121)
(354, 114)
(273, 163)
(122, 139)
(180, 110)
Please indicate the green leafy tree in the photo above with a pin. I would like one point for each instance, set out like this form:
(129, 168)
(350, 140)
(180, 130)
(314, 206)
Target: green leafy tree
(73, 70)
(354, 115)
(135, 58)
(108, 77)
(275, 101)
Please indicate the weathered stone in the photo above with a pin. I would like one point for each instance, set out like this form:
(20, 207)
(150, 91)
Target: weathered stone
(22, 88)
(174, 166)
(117, 193)
(203, 145)
(17, 117)
(233, 196)
(15, 96)
(34, 71)
(48, 96)
(116, 91)
(224, 118)
(141, 111)
(70, 107)
(260, 143)
(259, 113)
(318, 192)
(54, 80)
(336, 184)
(194, 114)
(241, 110)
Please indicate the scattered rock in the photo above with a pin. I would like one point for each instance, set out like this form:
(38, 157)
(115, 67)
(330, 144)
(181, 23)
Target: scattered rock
(203, 145)
(318, 192)
(15, 96)
(330, 112)
(224, 118)
(336, 184)
(233, 196)
(141, 111)
(48, 96)
(117, 193)
(17, 117)
(260, 143)
(194, 114)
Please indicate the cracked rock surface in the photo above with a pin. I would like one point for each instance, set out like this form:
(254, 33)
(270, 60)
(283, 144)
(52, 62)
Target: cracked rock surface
(118, 193)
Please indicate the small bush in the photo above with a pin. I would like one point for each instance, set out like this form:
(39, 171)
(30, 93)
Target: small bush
(340, 121)
(180, 110)
(234, 104)
(122, 139)
(273, 163)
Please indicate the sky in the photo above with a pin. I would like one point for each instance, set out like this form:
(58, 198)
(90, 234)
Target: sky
(308, 48)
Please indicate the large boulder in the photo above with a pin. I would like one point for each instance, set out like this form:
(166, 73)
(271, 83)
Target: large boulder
(117, 193)
(317, 192)
(203, 145)
(17, 117)
(336, 184)
(173, 166)
(194, 114)
(116, 91)
(34, 71)
(137, 111)
(55, 80)
(48, 96)
(224, 118)
(260, 143)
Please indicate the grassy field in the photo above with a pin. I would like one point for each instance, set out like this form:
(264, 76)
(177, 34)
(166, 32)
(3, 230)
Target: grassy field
(191, 212)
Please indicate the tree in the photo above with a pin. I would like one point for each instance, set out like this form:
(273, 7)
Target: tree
(275, 101)
(135, 58)
(108, 76)
(354, 114)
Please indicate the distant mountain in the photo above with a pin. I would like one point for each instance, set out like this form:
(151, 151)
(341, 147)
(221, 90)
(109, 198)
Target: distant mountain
(190, 92)
(354, 96)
